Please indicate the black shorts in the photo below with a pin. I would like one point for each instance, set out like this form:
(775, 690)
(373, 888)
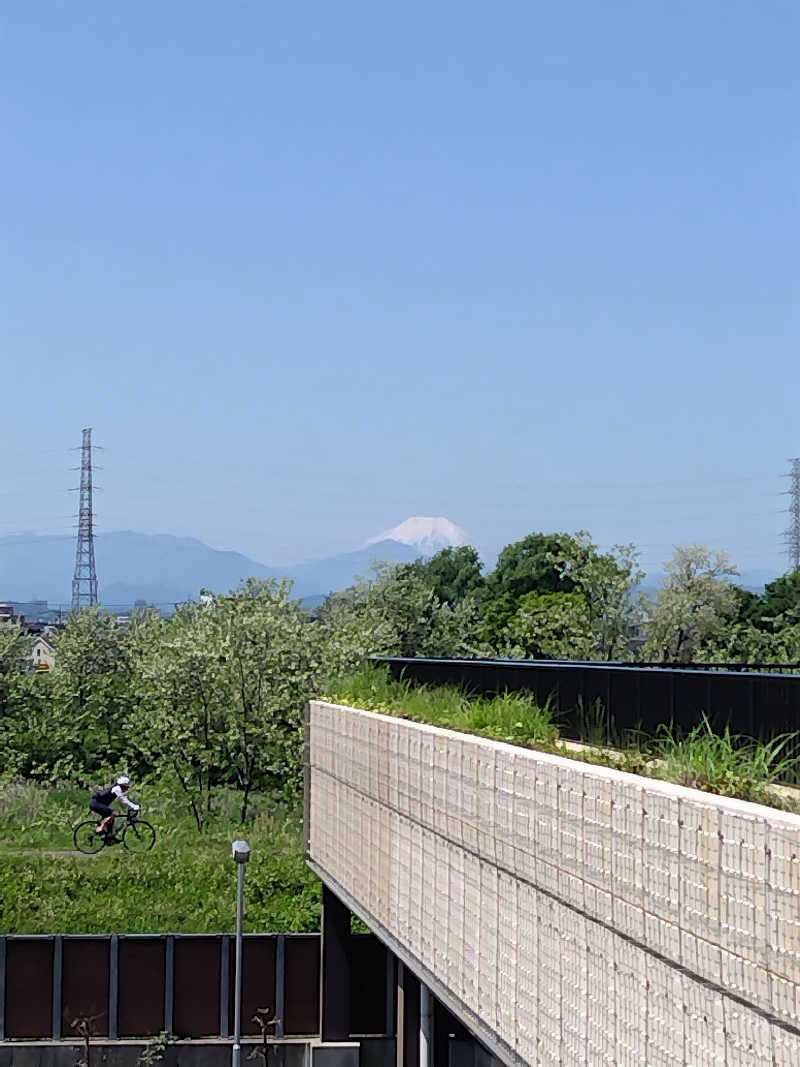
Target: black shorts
(101, 809)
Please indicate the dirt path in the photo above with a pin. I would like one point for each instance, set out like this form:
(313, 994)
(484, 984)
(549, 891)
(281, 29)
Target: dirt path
(45, 852)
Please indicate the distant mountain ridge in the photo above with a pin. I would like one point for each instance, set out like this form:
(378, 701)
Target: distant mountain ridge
(754, 580)
(159, 568)
(165, 570)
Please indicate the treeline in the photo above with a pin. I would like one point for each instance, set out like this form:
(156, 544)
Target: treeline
(559, 596)
(212, 698)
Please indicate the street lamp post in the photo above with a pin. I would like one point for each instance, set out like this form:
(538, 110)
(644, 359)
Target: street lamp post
(241, 853)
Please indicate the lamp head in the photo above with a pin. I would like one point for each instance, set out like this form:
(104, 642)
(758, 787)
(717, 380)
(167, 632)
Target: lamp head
(241, 851)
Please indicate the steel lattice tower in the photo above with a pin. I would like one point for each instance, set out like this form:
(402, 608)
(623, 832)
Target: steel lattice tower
(792, 535)
(84, 581)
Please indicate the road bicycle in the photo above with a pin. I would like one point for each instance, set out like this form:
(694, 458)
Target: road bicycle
(135, 835)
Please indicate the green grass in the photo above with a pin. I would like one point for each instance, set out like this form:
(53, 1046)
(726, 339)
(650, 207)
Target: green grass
(185, 884)
(512, 717)
(724, 764)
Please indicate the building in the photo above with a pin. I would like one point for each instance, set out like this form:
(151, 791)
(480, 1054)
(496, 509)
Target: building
(43, 653)
(36, 610)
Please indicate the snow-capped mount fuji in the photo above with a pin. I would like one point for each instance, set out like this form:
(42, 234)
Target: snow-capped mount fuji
(429, 534)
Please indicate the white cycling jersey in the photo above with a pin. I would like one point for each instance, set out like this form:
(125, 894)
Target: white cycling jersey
(114, 792)
(119, 793)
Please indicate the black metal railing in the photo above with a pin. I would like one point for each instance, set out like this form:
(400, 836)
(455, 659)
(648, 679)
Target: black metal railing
(627, 698)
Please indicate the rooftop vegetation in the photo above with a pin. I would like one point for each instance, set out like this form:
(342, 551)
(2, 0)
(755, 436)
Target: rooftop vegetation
(722, 763)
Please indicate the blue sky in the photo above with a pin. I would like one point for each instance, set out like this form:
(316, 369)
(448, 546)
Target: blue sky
(310, 268)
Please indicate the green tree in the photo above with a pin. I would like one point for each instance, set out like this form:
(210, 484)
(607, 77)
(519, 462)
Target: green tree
(15, 648)
(530, 566)
(607, 581)
(598, 605)
(781, 598)
(553, 625)
(749, 606)
(33, 739)
(224, 684)
(496, 618)
(272, 664)
(90, 694)
(453, 574)
(15, 652)
(17, 716)
(526, 566)
(774, 641)
(397, 612)
(694, 608)
(180, 727)
(766, 628)
(747, 637)
(353, 627)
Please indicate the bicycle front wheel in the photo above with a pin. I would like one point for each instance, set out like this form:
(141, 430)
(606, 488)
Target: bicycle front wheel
(86, 838)
(138, 836)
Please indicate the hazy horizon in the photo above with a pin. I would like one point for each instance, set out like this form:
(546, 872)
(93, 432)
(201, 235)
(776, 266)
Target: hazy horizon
(488, 554)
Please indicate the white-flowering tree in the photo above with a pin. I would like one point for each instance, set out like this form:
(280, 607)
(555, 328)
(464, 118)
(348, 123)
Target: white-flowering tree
(694, 608)
(607, 582)
(223, 686)
(553, 625)
(397, 612)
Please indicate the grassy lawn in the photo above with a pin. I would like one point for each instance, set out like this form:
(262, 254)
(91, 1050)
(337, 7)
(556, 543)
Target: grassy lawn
(185, 884)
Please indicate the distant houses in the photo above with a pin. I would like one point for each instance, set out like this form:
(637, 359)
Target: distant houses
(43, 652)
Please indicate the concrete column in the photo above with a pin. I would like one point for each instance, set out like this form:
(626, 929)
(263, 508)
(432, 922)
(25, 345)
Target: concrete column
(335, 969)
(446, 1030)
(407, 1018)
(426, 1058)
(391, 992)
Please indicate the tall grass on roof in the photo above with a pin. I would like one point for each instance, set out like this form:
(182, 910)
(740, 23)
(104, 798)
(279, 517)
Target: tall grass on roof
(725, 763)
(721, 763)
(513, 717)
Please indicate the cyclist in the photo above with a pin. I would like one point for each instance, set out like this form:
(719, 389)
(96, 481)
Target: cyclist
(103, 798)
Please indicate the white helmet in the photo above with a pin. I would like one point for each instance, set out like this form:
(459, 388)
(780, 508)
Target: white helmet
(123, 780)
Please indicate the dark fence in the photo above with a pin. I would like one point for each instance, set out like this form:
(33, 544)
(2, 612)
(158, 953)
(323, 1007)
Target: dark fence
(138, 986)
(630, 698)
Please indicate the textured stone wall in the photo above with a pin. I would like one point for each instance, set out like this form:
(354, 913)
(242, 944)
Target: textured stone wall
(583, 915)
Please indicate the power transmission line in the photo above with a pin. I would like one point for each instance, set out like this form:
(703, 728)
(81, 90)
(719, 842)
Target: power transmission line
(36, 518)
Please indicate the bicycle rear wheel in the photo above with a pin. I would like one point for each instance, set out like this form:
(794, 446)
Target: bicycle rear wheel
(138, 836)
(86, 838)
